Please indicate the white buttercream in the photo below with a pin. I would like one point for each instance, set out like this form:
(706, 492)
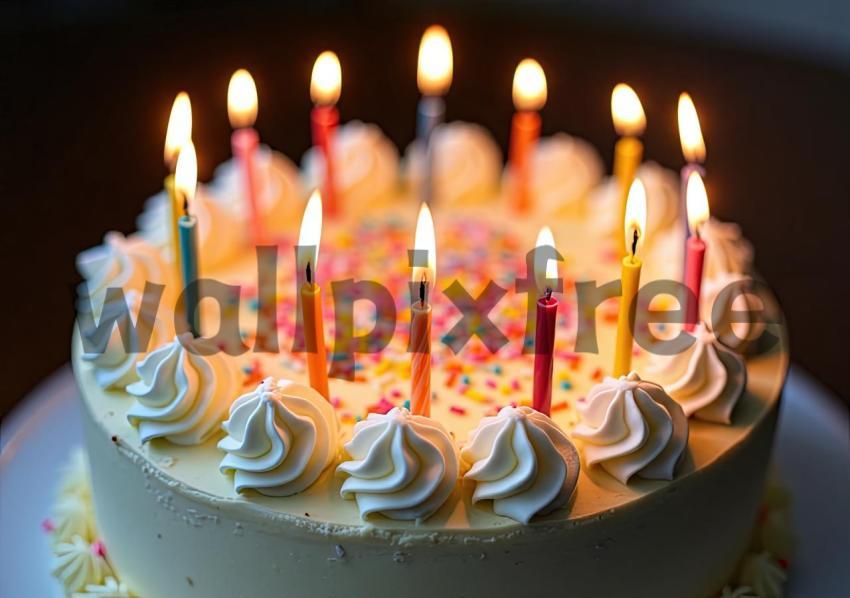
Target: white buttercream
(365, 167)
(402, 466)
(522, 461)
(77, 564)
(110, 588)
(280, 437)
(662, 200)
(632, 427)
(762, 573)
(564, 170)
(713, 300)
(467, 164)
(115, 368)
(181, 395)
(706, 379)
(280, 199)
(727, 249)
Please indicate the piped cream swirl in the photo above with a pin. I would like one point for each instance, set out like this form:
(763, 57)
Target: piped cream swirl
(522, 461)
(632, 427)
(401, 466)
(183, 392)
(467, 164)
(564, 170)
(115, 367)
(280, 438)
(728, 252)
(728, 302)
(706, 379)
(365, 167)
(77, 564)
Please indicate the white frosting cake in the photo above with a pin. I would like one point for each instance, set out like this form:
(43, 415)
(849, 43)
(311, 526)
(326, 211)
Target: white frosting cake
(215, 474)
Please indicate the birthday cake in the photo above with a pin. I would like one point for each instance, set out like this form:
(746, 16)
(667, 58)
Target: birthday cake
(437, 447)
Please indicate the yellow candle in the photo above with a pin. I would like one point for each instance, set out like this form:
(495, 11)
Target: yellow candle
(634, 227)
(420, 316)
(630, 122)
(178, 134)
(311, 295)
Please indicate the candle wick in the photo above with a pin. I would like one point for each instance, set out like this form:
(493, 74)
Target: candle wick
(185, 206)
(422, 292)
(309, 274)
(548, 294)
(634, 243)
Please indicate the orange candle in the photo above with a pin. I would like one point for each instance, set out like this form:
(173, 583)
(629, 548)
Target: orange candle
(311, 296)
(529, 95)
(630, 122)
(177, 135)
(634, 226)
(420, 316)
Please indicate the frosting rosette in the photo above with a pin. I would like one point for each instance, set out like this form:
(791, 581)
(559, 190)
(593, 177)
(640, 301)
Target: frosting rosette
(365, 167)
(726, 299)
(467, 164)
(136, 323)
(220, 226)
(121, 262)
(662, 200)
(632, 427)
(183, 391)
(706, 379)
(564, 170)
(401, 466)
(77, 564)
(280, 200)
(522, 461)
(280, 438)
(728, 252)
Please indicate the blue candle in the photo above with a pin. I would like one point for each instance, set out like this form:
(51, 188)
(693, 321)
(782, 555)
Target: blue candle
(188, 231)
(430, 113)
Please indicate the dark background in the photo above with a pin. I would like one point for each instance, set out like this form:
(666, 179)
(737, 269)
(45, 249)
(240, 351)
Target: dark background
(87, 87)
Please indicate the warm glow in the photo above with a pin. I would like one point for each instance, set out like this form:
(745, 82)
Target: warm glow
(311, 233)
(425, 240)
(635, 217)
(326, 82)
(529, 86)
(179, 131)
(186, 172)
(697, 201)
(545, 268)
(242, 100)
(434, 75)
(626, 110)
(690, 133)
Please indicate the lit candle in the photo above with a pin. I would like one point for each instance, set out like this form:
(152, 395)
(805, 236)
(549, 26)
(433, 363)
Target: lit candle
(434, 77)
(629, 122)
(311, 295)
(420, 316)
(325, 87)
(697, 208)
(242, 111)
(178, 134)
(634, 226)
(693, 149)
(185, 183)
(547, 312)
(529, 95)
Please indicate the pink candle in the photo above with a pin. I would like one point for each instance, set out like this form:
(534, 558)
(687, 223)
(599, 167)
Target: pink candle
(242, 111)
(693, 279)
(324, 121)
(544, 344)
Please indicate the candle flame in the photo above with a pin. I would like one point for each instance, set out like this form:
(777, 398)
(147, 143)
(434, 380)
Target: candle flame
(242, 100)
(627, 111)
(326, 81)
(310, 234)
(434, 75)
(697, 202)
(186, 172)
(179, 131)
(690, 133)
(635, 221)
(545, 268)
(425, 240)
(529, 91)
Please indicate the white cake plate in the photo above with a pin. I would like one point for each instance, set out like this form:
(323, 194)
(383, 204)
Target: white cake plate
(812, 451)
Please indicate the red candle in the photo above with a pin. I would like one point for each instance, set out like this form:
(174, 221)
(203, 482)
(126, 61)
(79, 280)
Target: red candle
(545, 273)
(529, 95)
(697, 207)
(242, 110)
(325, 86)
(693, 149)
